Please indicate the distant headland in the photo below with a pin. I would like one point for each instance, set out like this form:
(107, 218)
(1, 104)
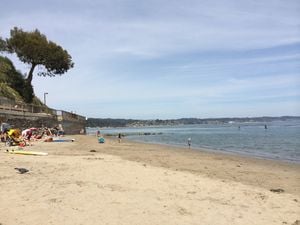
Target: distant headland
(108, 122)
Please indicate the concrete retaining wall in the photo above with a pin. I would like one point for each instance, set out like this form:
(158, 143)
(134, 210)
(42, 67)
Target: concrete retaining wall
(23, 121)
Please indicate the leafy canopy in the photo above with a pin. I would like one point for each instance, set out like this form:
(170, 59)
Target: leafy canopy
(33, 48)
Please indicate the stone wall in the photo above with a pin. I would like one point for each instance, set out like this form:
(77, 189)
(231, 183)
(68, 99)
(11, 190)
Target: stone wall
(23, 121)
(73, 127)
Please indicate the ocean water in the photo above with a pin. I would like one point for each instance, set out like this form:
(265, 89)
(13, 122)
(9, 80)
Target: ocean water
(281, 139)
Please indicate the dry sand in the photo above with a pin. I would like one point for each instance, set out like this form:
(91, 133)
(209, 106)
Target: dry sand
(130, 183)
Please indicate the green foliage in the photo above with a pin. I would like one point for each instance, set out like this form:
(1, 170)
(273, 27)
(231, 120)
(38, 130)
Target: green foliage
(4, 67)
(36, 101)
(34, 49)
(14, 79)
(2, 45)
(10, 93)
(27, 93)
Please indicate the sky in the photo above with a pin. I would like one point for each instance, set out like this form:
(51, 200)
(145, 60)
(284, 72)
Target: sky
(167, 59)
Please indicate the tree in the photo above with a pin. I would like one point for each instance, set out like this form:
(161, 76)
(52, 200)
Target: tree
(34, 49)
(2, 45)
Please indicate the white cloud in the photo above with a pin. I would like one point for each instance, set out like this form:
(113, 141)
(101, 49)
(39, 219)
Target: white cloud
(114, 28)
(111, 41)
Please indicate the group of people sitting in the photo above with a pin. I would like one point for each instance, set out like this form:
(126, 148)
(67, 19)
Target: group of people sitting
(13, 136)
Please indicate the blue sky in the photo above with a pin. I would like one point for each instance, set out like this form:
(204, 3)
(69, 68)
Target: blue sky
(168, 59)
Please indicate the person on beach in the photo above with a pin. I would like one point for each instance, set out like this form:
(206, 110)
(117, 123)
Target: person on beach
(189, 142)
(98, 133)
(26, 134)
(119, 137)
(3, 136)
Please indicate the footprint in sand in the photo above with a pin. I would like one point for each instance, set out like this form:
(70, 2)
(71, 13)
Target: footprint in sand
(183, 211)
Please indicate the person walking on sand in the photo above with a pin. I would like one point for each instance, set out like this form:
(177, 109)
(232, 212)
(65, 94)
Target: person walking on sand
(189, 142)
(120, 137)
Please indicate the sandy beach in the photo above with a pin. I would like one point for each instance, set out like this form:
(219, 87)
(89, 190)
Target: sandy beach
(127, 183)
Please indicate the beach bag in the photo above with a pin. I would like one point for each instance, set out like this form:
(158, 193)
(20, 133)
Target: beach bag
(101, 140)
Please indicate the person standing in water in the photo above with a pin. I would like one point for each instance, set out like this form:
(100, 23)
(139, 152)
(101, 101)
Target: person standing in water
(189, 142)
(120, 137)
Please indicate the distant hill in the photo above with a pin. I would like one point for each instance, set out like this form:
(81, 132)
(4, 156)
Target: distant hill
(13, 85)
(98, 122)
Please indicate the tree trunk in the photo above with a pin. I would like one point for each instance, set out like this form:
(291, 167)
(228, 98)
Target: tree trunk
(30, 74)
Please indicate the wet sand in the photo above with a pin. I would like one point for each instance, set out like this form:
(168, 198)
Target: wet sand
(134, 183)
